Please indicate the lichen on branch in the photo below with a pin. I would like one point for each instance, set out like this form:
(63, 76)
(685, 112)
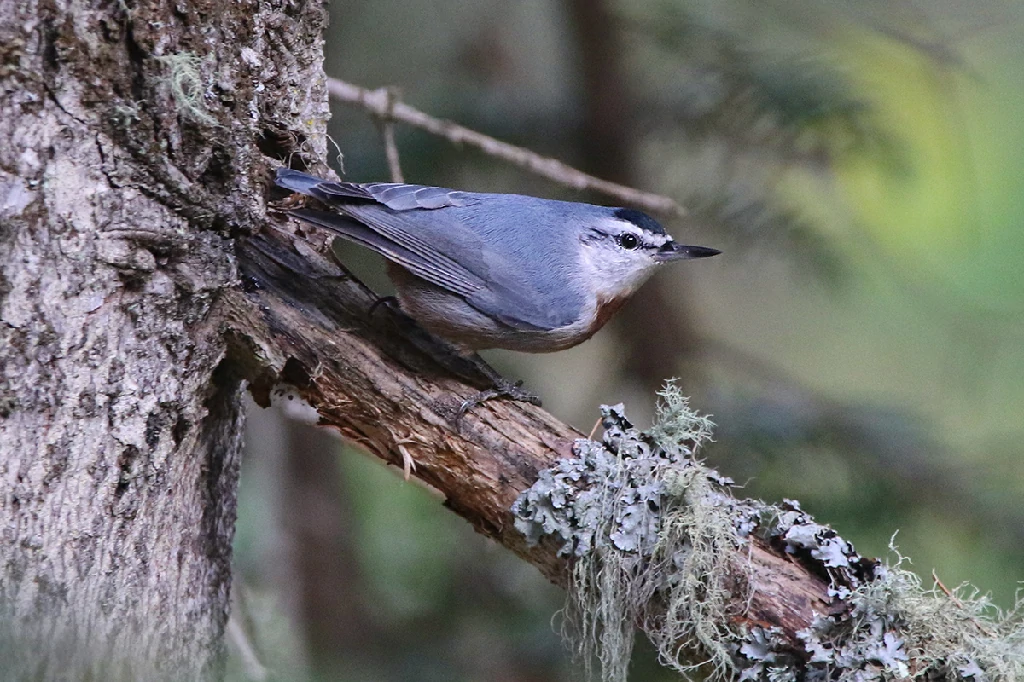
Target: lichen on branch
(651, 535)
(657, 542)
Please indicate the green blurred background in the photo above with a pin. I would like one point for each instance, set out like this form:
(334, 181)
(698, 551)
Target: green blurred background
(860, 343)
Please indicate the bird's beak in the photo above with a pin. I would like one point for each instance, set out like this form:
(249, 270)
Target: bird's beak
(672, 251)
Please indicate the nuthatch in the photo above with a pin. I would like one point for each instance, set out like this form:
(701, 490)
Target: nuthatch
(496, 270)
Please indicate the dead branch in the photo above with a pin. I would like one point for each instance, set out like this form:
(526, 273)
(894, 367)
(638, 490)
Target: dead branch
(305, 323)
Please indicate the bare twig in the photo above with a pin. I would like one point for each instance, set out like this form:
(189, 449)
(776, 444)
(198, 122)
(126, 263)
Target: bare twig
(387, 127)
(408, 463)
(380, 103)
(945, 589)
(391, 149)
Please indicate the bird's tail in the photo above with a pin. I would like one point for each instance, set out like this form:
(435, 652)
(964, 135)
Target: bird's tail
(324, 190)
(296, 181)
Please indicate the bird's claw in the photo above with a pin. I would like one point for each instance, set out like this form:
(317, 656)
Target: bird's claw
(385, 301)
(503, 389)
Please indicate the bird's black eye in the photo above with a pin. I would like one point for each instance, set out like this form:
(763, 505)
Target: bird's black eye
(629, 241)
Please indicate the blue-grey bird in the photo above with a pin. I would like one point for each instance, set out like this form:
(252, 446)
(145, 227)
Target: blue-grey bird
(496, 270)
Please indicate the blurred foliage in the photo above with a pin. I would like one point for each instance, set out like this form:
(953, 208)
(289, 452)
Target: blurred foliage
(863, 347)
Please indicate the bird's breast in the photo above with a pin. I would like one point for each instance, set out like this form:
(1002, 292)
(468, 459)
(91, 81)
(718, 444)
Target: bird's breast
(590, 321)
(605, 308)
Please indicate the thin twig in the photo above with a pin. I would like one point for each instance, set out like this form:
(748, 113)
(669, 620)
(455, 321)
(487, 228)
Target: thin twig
(387, 122)
(945, 589)
(975, 621)
(381, 104)
(391, 149)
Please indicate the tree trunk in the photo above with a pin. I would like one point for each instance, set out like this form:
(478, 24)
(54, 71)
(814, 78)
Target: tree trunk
(128, 163)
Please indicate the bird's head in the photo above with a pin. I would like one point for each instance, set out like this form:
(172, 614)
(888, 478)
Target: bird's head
(621, 250)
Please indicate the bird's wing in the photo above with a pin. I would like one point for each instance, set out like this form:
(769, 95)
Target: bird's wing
(408, 225)
(447, 253)
(396, 196)
(405, 250)
(402, 197)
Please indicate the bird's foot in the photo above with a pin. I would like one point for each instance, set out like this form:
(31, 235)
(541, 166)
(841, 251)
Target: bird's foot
(502, 389)
(385, 301)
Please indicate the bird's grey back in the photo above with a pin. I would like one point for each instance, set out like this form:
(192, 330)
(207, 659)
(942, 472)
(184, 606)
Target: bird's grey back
(523, 251)
(525, 248)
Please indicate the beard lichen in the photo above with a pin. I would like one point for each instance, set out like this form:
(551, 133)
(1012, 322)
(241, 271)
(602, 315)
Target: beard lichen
(898, 629)
(883, 624)
(650, 534)
(187, 85)
(651, 537)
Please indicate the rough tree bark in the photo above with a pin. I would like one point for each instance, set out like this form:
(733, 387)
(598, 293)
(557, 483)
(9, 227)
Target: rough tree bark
(129, 162)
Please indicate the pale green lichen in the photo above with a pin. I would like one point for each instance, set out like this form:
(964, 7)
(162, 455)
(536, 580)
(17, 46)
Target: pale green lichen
(891, 628)
(956, 636)
(650, 533)
(187, 86)
(698, 539)
(676, 422)
(651, 536)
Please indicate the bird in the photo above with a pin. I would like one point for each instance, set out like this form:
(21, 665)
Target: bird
(484, 271)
